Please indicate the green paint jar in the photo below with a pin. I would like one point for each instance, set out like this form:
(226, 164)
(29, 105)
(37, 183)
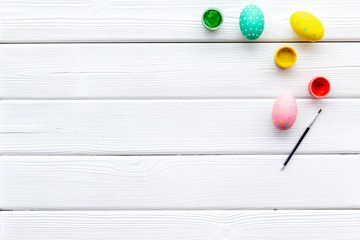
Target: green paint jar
(212, 18)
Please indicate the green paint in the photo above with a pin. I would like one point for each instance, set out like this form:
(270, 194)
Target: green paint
(212, 19)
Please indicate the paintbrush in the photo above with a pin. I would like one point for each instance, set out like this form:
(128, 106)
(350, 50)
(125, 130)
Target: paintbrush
(300, 140)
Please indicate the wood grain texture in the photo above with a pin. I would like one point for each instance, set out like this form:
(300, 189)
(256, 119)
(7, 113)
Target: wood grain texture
(158, 111)
(179, 182)
(184, 225)
(159, 20)
(143, 71)
(173, 127)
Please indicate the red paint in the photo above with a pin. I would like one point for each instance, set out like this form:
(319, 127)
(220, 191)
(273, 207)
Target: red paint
(319, 87)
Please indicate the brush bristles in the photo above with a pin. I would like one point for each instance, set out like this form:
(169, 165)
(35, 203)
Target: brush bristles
(320, 111)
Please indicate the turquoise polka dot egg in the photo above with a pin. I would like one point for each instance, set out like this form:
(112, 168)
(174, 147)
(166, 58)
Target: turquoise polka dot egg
(251, 22)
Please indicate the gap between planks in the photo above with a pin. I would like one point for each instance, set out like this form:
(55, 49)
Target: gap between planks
(175, 42)
(176, 155)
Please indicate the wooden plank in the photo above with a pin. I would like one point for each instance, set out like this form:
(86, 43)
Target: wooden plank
(159, 20)
(179, 182)
(124, 71)
(135, 127)
(185, 225)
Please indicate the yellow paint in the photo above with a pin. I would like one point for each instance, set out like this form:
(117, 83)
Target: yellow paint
(307, 26)
(285, 57)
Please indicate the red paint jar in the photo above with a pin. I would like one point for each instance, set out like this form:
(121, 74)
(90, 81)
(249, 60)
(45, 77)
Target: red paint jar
(319, 87)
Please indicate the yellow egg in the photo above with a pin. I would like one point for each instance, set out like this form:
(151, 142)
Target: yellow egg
(307, 26)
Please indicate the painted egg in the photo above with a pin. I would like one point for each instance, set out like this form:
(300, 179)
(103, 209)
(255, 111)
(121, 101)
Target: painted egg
(284, 111)
(251, 22)
(307, 26)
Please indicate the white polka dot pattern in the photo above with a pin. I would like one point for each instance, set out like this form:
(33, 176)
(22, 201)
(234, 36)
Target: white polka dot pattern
(251, 22)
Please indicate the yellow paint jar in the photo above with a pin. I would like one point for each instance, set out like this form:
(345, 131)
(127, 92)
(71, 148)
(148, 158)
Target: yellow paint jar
(285, 57)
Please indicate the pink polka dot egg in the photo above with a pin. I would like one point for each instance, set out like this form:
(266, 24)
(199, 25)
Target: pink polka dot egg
(284, 111)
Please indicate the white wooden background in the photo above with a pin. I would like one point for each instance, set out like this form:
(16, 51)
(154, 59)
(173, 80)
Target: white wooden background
(126, 119)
